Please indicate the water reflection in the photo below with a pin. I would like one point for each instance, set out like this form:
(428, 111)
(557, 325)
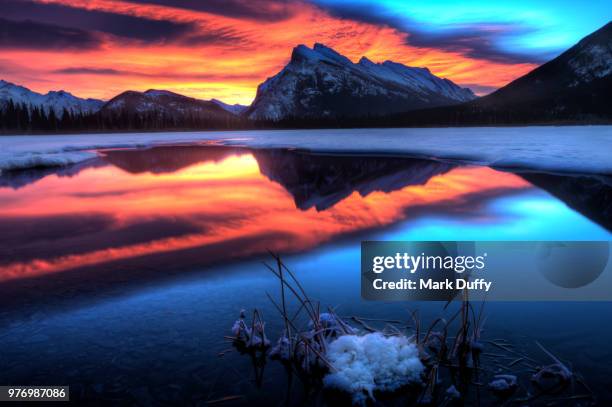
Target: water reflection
(179, 207)
(166, 159)
(588, 195)
(321, 181)
(136, 216)
(22, 178)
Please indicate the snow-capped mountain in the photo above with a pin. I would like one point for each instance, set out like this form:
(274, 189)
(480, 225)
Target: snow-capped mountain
(163, 102)
(574, 87)
(320, 83)
(236, 109)
(577, 83)
(58, 100)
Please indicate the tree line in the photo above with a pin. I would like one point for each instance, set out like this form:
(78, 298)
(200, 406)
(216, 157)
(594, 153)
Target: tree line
(21, 118)
(24, 119)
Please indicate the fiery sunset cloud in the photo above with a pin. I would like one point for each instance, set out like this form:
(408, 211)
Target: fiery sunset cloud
(224, 48)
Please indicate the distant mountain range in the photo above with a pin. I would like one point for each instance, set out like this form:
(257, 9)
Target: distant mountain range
(320, 87)
(165, 103)
(56, 100)
(151, 101)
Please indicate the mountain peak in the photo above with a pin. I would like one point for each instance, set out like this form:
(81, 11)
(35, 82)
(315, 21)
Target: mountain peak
(160, 92)
(319, 82)
(319, 52)
(8, 84)
(320, 47)
(365, 61)
(330, 53)
(301, 53)
(59, 93)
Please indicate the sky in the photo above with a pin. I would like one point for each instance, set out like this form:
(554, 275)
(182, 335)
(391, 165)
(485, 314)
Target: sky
(224, 48)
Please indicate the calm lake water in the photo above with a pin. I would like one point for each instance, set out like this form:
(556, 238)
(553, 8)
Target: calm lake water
(121, 275)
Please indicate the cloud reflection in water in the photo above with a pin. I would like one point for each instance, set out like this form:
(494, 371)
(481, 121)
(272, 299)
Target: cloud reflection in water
(148, 209)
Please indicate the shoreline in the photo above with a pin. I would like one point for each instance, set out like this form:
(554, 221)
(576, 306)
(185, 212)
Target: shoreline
(567, 150)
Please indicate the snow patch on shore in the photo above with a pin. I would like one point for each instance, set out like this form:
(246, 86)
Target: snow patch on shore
(585, 149)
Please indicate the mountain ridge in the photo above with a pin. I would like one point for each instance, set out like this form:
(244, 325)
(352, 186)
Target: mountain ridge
(573, 87)
(576, 66)
(56, 100)
(155, 104)
(60, 99)
(319, 82)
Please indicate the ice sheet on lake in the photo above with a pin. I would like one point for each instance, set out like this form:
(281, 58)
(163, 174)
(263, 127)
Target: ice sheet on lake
(568, 149)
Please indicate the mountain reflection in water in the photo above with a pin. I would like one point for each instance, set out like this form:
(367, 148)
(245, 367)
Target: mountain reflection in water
(135, 212)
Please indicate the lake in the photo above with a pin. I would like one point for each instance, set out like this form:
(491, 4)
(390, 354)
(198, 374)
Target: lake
(121, 275)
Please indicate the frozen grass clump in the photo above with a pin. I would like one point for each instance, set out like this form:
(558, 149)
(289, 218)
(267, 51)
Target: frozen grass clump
(331, 325)
(372, 362)
(431, 364)
(282, 349)
(253, 336)
(503, 383)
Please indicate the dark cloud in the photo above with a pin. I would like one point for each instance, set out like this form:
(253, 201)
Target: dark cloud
(219, 36)
(473, 40)
(477, 41)
(263, 10)
(49, 237)
(33, 35)
(88, 70)
(215, 37)
(24, 231)
(129, 27)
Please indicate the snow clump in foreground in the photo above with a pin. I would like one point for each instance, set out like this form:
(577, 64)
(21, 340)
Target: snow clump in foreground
(372, 362)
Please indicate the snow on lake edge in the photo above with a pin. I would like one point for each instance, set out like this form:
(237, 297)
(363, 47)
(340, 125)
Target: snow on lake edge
(583, 149)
